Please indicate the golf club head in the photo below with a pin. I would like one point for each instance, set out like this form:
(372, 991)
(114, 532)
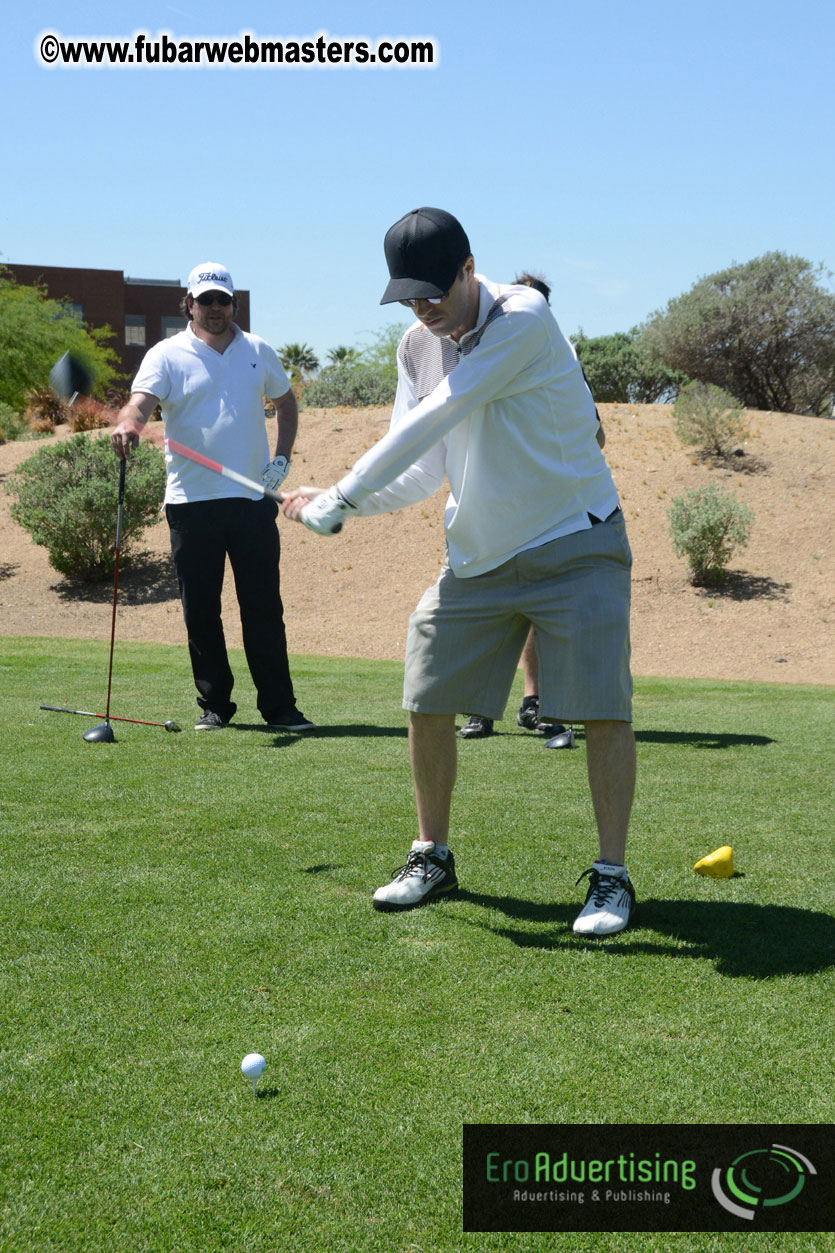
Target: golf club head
(565, 739)
(170, 725)
(100, 735)
(68, 377)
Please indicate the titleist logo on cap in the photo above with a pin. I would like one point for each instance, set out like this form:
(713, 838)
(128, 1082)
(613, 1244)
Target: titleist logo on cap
(208, 276)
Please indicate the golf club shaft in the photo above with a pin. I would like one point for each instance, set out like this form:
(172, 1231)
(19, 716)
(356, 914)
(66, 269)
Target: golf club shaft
(88, 713)
(122, 468)
(69, 392)
(174, 445)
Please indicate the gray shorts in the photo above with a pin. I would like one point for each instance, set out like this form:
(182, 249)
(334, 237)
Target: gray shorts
(466, 635)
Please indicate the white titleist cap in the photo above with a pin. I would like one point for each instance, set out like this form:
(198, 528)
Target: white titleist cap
(210, 276)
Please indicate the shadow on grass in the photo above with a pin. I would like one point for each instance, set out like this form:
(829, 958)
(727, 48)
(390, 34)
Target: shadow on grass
(269, 1094)
(148, 580)
(348, 730)
(743, 940)
(698, 739)
(703, 739)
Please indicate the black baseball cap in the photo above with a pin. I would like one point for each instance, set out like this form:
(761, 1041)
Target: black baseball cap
(424, 251)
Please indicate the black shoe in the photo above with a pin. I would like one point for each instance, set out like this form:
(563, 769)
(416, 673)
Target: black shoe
(290, 720)
(476, 728)
(210, 722)
(528, 715)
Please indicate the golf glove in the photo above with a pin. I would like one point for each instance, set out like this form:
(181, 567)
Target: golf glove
(275, 473)
(327, 511)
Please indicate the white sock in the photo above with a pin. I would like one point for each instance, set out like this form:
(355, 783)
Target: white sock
(442, 850)
(613, 868)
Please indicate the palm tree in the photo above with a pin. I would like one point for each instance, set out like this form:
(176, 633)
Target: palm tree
(299, 360)
(343, 356)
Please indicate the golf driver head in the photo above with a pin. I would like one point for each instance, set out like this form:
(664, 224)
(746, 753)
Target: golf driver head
(69, 377)
(100, 735)
(171, 725)
(565, 739)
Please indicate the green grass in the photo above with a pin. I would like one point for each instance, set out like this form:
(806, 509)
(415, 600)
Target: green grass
(172, 902)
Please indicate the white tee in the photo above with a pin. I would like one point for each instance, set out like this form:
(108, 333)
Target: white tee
(213, 403)
(512, 426)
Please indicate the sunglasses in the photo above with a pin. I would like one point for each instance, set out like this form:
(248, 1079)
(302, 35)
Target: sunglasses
(212, 297)
(429, 300)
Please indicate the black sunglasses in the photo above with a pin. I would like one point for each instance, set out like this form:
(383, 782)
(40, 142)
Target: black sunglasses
(429, 300)
(210, 297)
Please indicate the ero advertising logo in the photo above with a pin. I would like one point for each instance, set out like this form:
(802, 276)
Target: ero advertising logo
(761, 1177)
(649, 1177)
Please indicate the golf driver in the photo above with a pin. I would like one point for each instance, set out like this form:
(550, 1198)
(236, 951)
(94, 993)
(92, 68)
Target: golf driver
(174, 445)
(563, 739)
(170, 725)
(69, 379)
(104, 734)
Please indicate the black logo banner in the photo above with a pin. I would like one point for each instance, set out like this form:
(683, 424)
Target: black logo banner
(649, 1177)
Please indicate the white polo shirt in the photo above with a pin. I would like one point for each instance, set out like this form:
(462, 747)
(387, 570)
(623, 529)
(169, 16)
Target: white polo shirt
(213, 403)
(512, 426)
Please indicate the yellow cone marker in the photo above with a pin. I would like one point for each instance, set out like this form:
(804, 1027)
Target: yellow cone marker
(718, 864)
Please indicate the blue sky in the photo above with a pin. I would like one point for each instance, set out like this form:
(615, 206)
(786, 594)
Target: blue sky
(624, 150)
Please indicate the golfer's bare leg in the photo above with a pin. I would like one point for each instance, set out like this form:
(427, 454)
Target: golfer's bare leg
(610, 755)
(530, 667)
(433, 755)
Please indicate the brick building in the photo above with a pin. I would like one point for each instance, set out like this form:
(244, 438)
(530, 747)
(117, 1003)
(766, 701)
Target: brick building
(139, 311)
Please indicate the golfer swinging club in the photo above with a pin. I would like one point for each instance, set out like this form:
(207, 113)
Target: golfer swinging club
(491, 396)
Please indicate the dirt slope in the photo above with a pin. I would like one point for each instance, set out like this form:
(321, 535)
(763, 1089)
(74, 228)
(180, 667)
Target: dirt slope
(352, 595)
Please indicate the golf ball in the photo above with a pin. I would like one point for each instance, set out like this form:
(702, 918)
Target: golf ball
(253, 1066)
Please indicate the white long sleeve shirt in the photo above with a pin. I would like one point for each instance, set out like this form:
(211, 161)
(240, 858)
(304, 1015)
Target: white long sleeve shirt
(511, 426)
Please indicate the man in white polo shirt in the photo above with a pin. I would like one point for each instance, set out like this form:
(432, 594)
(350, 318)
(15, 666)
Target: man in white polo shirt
(491, 396)
(210, 380)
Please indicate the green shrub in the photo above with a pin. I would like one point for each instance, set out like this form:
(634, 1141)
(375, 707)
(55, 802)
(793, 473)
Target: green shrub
(65, 496)
(709, 417)
(619, 371)
(706, 525)
(351, 386)
(13, 425)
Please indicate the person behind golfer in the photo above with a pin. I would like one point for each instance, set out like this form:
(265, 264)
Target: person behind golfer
(210, 380)
(491, 395)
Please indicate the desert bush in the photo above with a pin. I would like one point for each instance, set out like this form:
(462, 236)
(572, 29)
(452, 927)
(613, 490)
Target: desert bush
(44, 411)
(709, 417)
(88, 415)
(764, 330)
(65, 497)
(12, 425)
(350, 385)
(381, 353)
(706, 526)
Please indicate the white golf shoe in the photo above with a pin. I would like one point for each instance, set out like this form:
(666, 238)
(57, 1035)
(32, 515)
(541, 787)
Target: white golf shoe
(425, 876)
(609, 902)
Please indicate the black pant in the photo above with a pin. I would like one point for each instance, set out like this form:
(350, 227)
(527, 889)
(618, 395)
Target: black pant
(202, 535)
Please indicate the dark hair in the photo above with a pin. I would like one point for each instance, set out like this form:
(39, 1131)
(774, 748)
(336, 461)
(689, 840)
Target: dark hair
(185, 311)
(537, 282)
